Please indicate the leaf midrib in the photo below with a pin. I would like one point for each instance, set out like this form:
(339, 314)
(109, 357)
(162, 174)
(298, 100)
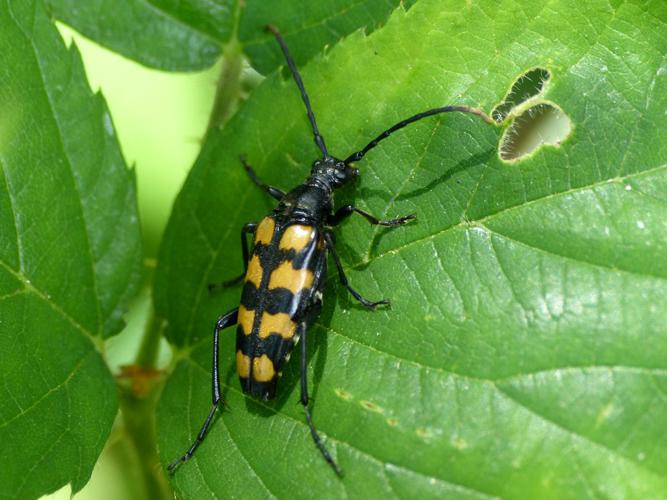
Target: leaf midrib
(480, 222)
(73, 180)
(55, 388)
(29, 287)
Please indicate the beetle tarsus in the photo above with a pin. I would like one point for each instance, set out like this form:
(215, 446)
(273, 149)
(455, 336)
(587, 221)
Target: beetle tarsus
(345, 211)
(398, 221)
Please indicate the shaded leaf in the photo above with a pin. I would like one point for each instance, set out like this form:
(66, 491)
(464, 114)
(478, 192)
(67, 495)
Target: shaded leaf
(163, 34)
(190, 35)
(70, 257)
(524, 354)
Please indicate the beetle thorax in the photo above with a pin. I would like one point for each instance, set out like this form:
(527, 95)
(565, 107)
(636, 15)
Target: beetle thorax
(310, 201)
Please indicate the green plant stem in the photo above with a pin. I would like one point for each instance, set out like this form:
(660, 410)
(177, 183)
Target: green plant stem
(138, 411)
(139, 422)
(150, 344)
(228, 92)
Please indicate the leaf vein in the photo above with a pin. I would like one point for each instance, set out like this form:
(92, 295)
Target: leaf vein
(490, 217)
(577, 435)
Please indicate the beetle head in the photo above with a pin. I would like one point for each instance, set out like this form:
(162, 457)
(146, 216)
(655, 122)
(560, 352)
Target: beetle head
(333, 171)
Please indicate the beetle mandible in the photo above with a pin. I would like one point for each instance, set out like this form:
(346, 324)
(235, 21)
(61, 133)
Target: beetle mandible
(286, 268)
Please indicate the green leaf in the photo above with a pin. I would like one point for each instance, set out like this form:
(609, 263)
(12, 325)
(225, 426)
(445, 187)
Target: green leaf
(525, 352)
(306, 30)
(70, 258)
(163, 34)
(189, 35)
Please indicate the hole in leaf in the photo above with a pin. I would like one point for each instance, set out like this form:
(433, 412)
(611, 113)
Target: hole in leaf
(526, 86)
(541, 124)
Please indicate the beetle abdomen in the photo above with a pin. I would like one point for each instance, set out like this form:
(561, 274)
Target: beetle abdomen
(286, 267)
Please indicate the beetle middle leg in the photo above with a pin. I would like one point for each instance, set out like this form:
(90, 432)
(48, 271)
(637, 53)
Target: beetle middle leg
(344, 212)
(223, 322)
(248, 228)
(328, 236)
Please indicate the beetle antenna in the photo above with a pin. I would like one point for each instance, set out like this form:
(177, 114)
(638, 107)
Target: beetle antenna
(447, 109)
(319, 140)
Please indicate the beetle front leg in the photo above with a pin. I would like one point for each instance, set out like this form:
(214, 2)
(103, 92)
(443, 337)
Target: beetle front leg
(273, 191)
(344, 212)
(248, 228)
(343, 279)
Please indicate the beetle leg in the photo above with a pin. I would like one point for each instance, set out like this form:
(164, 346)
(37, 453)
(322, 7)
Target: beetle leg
(304, 401)
(328, 236)
(223, 322)
(248, 228)
(273, 191)
(344, 212)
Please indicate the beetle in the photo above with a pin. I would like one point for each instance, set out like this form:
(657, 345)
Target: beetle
(286, 267)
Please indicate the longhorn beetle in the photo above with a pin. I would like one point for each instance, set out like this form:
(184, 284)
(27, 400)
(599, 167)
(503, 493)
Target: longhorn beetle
(286, 267)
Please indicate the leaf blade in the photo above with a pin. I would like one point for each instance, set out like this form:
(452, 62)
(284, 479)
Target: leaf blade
(190, 35)
(507, 273)
(157, 34)
(65, 280)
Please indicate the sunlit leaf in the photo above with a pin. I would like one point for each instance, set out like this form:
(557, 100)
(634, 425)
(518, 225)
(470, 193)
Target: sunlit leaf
(525, 352)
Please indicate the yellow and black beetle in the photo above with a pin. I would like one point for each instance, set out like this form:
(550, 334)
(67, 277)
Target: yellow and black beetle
(286, 269)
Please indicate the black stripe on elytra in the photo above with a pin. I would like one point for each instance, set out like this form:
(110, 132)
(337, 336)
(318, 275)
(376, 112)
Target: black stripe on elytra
(279, 300)
(242, 340)
(249, 296)
(262, 390)
(275, 346)
(306, 257)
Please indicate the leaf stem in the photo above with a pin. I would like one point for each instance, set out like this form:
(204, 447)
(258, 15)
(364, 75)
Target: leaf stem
(150, 344)
(228, 91)
(139, 388)
(139, 421)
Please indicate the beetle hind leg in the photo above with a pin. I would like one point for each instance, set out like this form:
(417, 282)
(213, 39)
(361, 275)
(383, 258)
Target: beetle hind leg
(343, 279)
(223, 322)
(304, 401)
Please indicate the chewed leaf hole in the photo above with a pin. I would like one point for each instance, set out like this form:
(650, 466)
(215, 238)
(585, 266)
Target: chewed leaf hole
(528, 85)
(539, 125)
